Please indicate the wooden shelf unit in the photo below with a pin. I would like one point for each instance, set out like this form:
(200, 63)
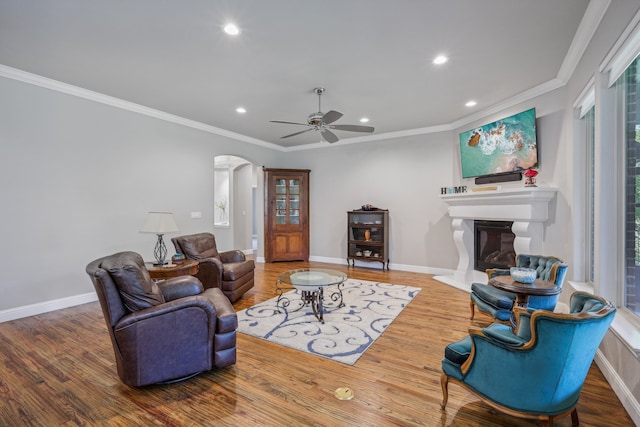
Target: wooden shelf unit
(368, 237)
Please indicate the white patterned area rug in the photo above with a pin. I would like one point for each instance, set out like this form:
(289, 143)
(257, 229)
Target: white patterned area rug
(369, 308)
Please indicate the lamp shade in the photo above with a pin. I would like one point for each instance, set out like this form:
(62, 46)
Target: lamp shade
(159, 223)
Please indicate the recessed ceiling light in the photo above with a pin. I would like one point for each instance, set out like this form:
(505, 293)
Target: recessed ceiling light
(364, 120)
(471, 104)
(241, 110)
(231, 29)
(441, 59)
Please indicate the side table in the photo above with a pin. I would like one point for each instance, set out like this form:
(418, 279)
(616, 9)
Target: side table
(188, 267)
(523, 290)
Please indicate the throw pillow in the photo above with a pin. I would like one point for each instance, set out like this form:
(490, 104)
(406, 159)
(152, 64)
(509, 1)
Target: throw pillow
(136, 288)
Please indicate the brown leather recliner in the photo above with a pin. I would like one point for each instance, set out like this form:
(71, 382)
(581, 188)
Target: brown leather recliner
(230, 271)
(162, 331)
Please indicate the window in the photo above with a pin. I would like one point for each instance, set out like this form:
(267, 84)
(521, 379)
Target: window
(630, 89)
(589, 126)
(585, 144)
(221, 197)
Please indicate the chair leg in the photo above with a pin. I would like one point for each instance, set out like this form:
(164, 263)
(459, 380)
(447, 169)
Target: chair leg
(444, 382)
(575, 422)
(473, 311)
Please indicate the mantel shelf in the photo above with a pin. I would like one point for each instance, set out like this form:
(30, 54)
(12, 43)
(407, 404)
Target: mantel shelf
(508, 195)
(512, 204)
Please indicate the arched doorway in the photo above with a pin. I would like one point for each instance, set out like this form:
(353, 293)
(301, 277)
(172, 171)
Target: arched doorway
(235, 183)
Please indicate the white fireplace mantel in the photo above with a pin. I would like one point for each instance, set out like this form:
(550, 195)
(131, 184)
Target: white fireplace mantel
(527, 207)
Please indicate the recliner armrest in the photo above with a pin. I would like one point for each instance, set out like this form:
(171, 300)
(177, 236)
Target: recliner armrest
(180, 287)
(210, 272)
(215, 262)
(227, 317)
(170, 307)
(232, 256)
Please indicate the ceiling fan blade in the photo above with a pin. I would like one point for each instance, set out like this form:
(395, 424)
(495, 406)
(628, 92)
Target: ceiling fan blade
(331, 116)
(288, 123)
(297, 133)
(353, 128)
(329, 136)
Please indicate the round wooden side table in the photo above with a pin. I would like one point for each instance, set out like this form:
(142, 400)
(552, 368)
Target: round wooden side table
(188, 267)
(524, 290)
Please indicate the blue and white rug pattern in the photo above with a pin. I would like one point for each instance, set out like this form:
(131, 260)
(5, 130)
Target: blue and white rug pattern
(369, 308)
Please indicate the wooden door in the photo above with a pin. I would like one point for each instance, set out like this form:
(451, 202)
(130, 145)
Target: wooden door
(286, 219)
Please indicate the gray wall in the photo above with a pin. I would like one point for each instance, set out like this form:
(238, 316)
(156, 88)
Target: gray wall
(242, 207)
(78, 180)
(403, 175)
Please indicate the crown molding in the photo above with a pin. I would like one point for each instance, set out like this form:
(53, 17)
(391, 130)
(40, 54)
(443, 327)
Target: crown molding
(47, 83)
(34, 79)
(525, 96)
(376, 137)
(587, 28)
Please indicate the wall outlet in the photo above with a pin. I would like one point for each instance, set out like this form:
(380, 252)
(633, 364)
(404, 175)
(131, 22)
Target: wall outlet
(195, 215)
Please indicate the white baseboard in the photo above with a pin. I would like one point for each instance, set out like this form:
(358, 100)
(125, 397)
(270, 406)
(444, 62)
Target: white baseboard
(448, 279)
(45, 307)
(378, 265)
(619, 388)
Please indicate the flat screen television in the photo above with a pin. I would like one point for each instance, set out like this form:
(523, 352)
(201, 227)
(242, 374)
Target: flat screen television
(504, 146)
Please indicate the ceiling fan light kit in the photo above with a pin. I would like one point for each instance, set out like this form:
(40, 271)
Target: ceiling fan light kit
(322, 122)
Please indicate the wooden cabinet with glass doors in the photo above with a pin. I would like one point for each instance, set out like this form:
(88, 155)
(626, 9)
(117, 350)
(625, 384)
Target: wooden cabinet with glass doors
(286, 215)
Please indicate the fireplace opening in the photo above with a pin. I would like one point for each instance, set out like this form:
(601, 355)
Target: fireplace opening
(493, 245)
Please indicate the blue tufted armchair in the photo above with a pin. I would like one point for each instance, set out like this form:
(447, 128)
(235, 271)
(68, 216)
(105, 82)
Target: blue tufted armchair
(499, 303)
(538, 370)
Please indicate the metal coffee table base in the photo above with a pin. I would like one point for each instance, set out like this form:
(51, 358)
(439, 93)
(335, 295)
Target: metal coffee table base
(314, 298)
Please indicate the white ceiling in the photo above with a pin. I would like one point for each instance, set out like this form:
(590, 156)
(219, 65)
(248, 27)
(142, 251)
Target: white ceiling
(374, 57)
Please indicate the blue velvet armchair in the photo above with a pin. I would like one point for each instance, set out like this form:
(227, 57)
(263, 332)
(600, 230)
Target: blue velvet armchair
(498, 303)
(536, 371)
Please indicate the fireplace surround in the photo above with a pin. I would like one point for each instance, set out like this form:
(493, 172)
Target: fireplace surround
(527, 208)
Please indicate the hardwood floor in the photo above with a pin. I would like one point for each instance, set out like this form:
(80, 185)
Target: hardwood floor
(58, 369)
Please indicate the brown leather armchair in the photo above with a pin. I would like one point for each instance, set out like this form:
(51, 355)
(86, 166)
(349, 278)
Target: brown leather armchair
(230, 271)
(162, 331)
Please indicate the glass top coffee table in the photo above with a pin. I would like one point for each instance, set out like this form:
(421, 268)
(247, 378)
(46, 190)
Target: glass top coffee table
(311, 283)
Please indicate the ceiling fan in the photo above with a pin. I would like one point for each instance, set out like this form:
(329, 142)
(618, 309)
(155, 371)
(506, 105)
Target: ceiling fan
(323, 122)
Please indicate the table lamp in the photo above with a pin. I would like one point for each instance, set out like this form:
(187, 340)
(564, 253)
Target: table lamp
(160, 223)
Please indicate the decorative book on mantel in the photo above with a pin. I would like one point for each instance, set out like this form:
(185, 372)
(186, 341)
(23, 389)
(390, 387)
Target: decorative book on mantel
(486, 188)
